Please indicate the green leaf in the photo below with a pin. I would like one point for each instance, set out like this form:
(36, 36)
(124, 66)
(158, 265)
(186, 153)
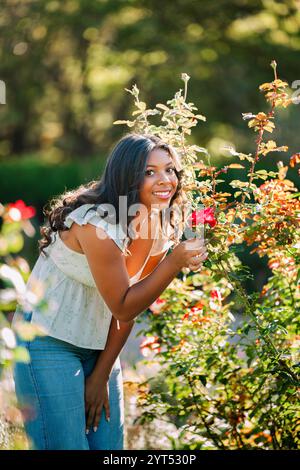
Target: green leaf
(202, 379)
(247, 329)
(21, 354)
(291, 196)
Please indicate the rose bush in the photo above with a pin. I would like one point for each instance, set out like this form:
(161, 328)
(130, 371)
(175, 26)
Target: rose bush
(229, 359)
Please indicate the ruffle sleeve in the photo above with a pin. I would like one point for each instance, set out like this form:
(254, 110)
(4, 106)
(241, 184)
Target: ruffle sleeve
(90, 213)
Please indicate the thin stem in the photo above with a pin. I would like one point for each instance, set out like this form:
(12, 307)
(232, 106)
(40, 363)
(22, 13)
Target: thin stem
(255, 160)
(269, 343)
(212, 436)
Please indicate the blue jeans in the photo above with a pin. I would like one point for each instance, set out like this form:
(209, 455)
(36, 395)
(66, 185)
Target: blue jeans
(50, 394)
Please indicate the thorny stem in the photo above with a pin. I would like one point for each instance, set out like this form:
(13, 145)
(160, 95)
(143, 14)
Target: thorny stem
(256, 158)
(275, 443)
(259, 141)
(213, 183)
(185, 90)
(243, 295)
(212, 436)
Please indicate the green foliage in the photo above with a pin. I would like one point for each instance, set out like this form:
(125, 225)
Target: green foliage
(36, 181)
(65, 65)
(225, 381)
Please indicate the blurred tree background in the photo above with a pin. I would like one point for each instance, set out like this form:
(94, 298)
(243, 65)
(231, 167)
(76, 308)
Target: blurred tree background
(66, 65)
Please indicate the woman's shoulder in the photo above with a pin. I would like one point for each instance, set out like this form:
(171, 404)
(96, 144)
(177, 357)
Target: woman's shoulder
(94, 214)
(80, 215)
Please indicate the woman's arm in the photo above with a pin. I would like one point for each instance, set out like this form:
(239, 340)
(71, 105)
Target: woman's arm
(96, 392)
(114, 345)
(108, 267)
(118, 335)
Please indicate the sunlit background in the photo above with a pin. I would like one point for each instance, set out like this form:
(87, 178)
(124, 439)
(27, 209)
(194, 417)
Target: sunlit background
(65, 66)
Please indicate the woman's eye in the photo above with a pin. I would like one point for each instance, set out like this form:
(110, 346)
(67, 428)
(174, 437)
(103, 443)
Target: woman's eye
(150, 172)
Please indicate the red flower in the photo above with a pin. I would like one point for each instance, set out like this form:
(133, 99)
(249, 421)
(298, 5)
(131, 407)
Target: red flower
(194, 313)
(203, 216)
(197, 308)
(19, 211)
(216, 294)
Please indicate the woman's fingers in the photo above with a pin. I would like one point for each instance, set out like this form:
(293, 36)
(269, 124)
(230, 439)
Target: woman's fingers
(107, 410)
(90, 418)
(196, 261)
(94, 416)
(97, 417)
(194, 243)
(198, 252)
(198, 258)
(98, 412)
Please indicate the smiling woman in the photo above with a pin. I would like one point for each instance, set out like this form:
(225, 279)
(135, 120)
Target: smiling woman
(160, 182)
(97, 273)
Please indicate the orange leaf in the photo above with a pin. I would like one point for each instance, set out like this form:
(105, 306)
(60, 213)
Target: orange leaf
(235, 165)
(295, 159)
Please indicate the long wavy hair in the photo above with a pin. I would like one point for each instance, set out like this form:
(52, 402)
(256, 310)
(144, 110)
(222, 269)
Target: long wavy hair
(123, 175)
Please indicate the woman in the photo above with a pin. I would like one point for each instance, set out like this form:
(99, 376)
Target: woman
(99, 274)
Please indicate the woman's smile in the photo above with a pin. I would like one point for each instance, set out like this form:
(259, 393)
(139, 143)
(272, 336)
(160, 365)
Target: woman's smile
(163, 193)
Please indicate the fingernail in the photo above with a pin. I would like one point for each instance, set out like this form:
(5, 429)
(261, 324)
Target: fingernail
(87, 431)
(95, 429)
(108, 420)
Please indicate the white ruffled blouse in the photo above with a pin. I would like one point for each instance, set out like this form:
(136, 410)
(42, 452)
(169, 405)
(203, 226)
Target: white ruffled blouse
(76, 312)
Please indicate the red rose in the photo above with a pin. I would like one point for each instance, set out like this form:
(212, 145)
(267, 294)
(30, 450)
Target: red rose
(19, 211)
(215, 294)
(203, 216)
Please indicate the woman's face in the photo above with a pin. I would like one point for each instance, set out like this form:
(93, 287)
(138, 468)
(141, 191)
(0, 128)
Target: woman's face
(160, 181)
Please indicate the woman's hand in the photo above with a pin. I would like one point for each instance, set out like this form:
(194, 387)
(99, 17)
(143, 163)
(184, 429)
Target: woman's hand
(96, 397)
(190, 254)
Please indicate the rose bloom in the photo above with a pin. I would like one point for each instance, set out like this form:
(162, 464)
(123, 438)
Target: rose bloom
(19, 211)
(203, 216)
(150, 344)
(216, 294)
(196, 309)
(195, 314)
(157, 306)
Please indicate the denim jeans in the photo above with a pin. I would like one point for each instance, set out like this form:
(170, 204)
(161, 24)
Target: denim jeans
(50, 394)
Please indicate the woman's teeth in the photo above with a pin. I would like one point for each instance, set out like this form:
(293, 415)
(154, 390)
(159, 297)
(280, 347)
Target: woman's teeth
(162, 194)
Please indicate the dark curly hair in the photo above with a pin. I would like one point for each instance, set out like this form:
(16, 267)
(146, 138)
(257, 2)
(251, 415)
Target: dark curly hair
(123, 174)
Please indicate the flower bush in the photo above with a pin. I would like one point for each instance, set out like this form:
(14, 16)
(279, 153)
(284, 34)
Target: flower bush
(14, 271)
(229, 359)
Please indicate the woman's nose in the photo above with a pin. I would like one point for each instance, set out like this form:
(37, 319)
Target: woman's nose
(163, 177)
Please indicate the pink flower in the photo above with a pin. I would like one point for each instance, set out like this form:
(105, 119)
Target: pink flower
(19, 211)
(203, 216)
(150, 344)
(157, 306)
